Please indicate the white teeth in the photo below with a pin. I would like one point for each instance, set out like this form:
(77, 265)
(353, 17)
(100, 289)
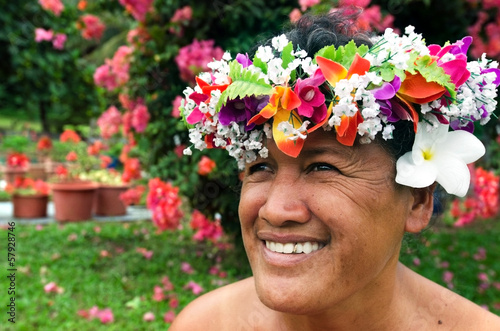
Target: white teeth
(293, 248)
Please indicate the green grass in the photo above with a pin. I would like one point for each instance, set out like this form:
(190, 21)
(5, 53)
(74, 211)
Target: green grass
(71, 255)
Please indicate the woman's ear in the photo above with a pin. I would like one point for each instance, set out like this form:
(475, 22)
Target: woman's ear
(421, 209)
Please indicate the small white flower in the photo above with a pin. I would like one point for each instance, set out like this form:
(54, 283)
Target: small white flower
(279, 42)
(265, 53)
(226, 56)
(439, 156)
(187, 151)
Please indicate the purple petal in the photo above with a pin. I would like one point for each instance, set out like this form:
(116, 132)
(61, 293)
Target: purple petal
(244, 60)
(384, 92)
(496, 71)
(319, 113)
(462, 125)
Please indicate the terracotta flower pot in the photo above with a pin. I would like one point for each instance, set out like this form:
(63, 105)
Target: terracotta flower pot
(73, 201)
(108, 202)
(30, 206)
(10, 174)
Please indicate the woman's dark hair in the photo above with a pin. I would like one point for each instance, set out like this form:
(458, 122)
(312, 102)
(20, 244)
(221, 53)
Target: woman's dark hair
(312, 33)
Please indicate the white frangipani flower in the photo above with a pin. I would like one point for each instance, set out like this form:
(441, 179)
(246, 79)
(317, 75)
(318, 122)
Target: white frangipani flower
(440, 156)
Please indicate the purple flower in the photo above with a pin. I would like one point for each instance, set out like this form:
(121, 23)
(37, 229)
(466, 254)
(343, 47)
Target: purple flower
(388, 101)
(238, 110)
(312, 103)
(244, 60)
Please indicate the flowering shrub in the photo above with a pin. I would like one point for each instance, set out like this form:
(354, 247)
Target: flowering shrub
(109, 122)
(193, 59)
(206, 165)
(138, 8)
(483, 201)
(133, 196)
(69, 136)
(164, 202)
(27, 186)
(486, 29)
(114, 73)
(54, 6)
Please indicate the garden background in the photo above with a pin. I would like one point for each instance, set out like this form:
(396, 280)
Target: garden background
(97, 84)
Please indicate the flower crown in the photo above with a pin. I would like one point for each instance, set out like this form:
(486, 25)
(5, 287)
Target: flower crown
(283, 94)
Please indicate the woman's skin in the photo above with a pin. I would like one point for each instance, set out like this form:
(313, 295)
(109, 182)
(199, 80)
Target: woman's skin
(341, 205)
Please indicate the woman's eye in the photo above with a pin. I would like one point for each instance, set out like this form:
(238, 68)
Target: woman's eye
(258, 167)
(322, 167)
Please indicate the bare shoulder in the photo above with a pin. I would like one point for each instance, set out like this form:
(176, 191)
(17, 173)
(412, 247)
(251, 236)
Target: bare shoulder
(220, 309)
(447, 310)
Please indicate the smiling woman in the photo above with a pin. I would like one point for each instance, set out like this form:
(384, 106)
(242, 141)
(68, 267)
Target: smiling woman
(341, 154)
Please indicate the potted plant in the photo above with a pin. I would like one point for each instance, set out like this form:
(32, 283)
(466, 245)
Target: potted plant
(29, 197)
(110, 187)
(16, 166)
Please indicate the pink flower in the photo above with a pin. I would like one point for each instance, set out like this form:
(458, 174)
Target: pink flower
(147, 254)
(205, 166)
(59, 40)
(416, 261)
(206, 230)
(148, 317)
(196, 288)
(167, 284)
(91, 26)
(173, 302)
(52, 288)
(355, 3)
(483, 277)
(193, 59)
(71, 157)
(182, 14)
(448, 278)
(106, 316)
(176, 106)
(109, 122)
(295, 15)
(186, 268)
(140, 118)
(304, 4)
(43, 35)
(138, 8)
(114, 73)
(133, 195)
(164, 202)
(158, 294)
(138, 36)
(54, 6)
(169, 316)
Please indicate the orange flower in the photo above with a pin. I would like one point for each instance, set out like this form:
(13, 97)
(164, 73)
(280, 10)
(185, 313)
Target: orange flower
(82, 4)
(71, 156)
(70, 135)
(205, 166)
(44, 144)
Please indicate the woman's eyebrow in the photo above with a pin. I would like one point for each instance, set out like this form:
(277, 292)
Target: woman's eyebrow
(322, 150)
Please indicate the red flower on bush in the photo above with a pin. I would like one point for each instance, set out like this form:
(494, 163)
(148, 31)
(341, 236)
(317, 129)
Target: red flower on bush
(138, 8)
(164, 202)
(91, 26)
(133, 195)
(69, 136)
(71, 157)
(44, 144)
(27, 186)
(96, 148)
(17, 160)
(205, 166)
(131, 170)
(206, 230)
(54, 6)
(482, 202)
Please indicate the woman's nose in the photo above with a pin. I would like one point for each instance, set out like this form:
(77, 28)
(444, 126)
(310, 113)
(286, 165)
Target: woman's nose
(285, 202)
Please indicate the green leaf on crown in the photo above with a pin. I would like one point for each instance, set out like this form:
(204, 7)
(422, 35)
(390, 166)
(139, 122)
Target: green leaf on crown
(286, 55)
(259, 64)
(344, 54)
(244, 83)
(430, 70)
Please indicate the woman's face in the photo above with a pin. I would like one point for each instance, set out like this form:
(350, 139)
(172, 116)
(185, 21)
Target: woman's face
(336, 203)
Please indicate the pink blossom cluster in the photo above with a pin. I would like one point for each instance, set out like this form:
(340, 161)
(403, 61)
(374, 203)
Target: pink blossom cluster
(52, 287)
(181, 18)
(163, 293)
(205, 229)
(138, 8)
(482, 203)
(205, 165)
(133, 195)
(91, 26)
(164, 202)
(109, 122)
(486, 30)
(57, 39)
(193, 59)
(138, 36)
(114, 72)
(104, 315)
(176, 104)
(54, 6)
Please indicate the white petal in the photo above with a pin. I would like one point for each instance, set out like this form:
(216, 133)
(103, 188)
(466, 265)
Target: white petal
(453, 176)
(409, 174)
(463, 145)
